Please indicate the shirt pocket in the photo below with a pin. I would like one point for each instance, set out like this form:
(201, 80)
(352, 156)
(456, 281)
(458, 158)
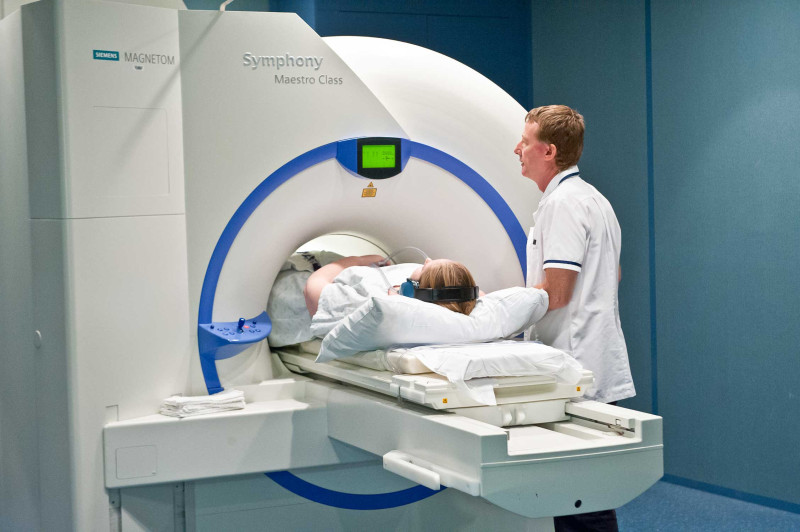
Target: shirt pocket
(533, 240)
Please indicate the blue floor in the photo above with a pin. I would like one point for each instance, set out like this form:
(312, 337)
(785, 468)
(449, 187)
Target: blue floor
(669, 507)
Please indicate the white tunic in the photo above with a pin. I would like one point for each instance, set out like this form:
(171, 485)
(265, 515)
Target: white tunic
(575, 228)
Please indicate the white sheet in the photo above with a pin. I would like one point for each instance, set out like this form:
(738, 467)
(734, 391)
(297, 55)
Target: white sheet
(287, 306)
(352, 288)
(287, 309)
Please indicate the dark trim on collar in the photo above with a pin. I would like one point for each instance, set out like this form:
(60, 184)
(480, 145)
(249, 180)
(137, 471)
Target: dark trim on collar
(573, 174)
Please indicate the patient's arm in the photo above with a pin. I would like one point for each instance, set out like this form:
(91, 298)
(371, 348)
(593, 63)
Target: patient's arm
(559, 283)
(325, 276)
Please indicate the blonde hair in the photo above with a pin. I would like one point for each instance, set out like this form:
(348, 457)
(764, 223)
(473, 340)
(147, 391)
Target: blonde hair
(562, 126)
(450, 273)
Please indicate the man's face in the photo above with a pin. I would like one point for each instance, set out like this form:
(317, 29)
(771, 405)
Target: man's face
(535, 156)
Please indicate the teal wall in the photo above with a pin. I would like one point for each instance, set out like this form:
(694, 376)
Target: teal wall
(693, 117)
(726, 129)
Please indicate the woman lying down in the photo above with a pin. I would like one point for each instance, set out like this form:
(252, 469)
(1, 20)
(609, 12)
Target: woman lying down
(432, 312)
(442, 281)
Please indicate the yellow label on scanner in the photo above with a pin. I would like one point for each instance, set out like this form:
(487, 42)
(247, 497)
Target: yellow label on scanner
(444, 400)
(369, 192)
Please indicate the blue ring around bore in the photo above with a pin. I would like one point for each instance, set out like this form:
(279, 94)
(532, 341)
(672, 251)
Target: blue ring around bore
(439, 158)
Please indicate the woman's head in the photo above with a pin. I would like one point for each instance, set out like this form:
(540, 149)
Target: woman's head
(440, 273)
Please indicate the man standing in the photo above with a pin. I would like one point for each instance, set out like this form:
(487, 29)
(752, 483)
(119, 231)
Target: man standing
(573, 253)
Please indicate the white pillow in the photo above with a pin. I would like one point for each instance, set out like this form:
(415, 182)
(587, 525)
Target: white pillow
(468, 366)
(382, 322)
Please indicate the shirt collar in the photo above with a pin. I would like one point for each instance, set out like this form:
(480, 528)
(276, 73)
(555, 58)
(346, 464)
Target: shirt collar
(559, 177)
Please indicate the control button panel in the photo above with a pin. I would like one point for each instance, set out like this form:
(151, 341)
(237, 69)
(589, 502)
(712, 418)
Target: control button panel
(224, 339)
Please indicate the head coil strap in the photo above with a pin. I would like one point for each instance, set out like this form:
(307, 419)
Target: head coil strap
(445, 294)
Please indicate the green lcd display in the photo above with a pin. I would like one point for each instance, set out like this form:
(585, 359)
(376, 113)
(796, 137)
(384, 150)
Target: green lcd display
(378, 156)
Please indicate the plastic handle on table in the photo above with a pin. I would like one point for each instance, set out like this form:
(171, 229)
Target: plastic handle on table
(402, 464)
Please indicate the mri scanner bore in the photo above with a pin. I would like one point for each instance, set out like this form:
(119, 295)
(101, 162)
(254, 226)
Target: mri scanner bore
(214, 337)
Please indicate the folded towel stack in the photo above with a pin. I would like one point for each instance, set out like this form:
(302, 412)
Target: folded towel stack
(180, 406)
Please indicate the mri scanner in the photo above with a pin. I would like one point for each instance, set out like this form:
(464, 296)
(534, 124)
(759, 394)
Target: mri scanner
(174, 161)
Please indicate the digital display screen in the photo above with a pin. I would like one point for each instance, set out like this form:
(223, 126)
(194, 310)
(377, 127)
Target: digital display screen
(378, 156)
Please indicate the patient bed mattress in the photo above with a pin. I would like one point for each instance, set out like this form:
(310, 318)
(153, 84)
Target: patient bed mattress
(520, 400)
(396, 361)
